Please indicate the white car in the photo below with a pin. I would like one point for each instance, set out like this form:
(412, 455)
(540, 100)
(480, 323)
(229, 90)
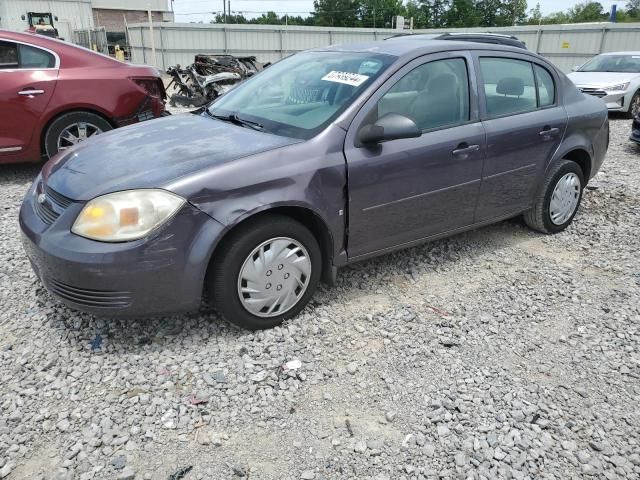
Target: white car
(614, 77)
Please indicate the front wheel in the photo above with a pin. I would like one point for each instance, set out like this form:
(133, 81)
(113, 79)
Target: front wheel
(634, 106)
(558, 200)
(265, 272)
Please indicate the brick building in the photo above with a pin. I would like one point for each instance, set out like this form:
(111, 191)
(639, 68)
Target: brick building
(111, 14)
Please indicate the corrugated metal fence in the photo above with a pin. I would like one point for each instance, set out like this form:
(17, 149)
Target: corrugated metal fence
(177, 43)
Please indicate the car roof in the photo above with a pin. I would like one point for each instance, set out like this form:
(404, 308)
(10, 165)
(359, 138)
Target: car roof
(405, 47)
(74, 55)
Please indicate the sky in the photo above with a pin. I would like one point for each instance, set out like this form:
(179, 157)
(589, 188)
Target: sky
(196, 10)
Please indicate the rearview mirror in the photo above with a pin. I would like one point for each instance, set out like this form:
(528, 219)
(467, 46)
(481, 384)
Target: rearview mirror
(391, 126)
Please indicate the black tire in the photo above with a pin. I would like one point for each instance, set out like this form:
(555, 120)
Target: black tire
(66, 120)
(634, 100)
(539, 217)
(222, 280)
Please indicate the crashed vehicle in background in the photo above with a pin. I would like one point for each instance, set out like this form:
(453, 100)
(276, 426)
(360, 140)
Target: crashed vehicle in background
(209, 77)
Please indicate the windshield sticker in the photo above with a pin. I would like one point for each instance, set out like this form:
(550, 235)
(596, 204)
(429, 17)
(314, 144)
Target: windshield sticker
(349, 78)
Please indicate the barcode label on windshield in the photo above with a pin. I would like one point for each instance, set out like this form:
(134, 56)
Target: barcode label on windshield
(348, 78)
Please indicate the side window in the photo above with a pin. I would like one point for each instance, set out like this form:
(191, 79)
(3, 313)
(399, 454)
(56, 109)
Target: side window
(546, 88)
(433, 95)
(31, 57)
(509, 85)
(8, 55)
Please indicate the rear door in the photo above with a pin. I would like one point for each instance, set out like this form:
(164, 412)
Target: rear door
(28, 77)
(524, 121)
(405, 190)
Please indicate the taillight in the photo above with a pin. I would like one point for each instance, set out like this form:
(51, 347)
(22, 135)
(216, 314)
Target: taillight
(152, 86)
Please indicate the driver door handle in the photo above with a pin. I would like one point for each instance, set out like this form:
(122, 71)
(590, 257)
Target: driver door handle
(549, 131)
(464, 148)
(30, 92)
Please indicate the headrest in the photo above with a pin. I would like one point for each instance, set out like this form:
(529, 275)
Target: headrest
(510, 86)
(442, 80)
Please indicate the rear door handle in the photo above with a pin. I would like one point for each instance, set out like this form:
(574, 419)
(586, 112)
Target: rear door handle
(30, 92)
(465, 148)
(549, 131)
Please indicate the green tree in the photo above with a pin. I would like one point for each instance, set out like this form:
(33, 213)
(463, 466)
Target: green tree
(269, 18)
(535, 15)
(487, 11)
(462, 13)
(587, 12)
(512, 12)
(335, 13)
(413, 10)
(435, 12)
(233, 19)
(633, 8)
(378, 13)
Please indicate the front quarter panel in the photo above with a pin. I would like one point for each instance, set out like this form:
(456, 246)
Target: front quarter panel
(310, 174)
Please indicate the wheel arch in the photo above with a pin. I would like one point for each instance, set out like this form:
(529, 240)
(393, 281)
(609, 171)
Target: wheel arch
(583, 159)
(302, 214)
(57, 115)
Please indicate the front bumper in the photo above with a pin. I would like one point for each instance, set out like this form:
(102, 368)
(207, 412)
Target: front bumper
(163, 273)
(616, 101)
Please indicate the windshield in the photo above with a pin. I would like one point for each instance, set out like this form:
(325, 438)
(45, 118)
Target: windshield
(613, 63)
(300, 95)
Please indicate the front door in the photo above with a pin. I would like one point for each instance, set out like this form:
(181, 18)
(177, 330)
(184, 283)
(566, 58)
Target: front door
(27, 80)
(524, 122)
(405, 190)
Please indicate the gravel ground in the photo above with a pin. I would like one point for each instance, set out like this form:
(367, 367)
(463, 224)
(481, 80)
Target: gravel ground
(499, 353)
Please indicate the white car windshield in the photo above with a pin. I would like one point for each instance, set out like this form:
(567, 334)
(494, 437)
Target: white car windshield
(613, 63)
(300, 95)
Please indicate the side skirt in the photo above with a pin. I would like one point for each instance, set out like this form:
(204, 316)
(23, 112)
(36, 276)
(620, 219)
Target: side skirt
(432, 238)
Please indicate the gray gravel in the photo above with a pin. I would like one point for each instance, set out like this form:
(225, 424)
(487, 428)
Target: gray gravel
(499, 353)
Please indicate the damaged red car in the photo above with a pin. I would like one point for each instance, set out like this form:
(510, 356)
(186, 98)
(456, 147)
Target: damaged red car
(54, 95)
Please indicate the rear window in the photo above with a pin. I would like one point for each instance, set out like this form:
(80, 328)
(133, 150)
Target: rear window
(13, 56)
(8, 55)
(31, 57)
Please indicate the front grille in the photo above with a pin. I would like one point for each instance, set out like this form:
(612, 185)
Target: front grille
(90, 298)
(49, 204)
(60, 200)
(596, 92)
(45, 212)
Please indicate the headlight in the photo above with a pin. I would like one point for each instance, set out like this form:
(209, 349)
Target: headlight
(618, 87)
(124, 216)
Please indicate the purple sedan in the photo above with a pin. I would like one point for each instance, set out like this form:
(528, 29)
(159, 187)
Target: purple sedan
(328, 157)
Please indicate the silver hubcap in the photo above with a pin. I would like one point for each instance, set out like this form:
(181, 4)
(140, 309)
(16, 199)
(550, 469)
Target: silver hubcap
(76, 133)
(564, 199)
(274, 277)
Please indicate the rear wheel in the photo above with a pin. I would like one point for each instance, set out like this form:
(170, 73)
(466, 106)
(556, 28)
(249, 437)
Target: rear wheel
(73, 128)
(265, 272)
(558, 200)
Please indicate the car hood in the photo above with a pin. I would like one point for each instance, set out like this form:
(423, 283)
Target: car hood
(601, 79)
(152, 154)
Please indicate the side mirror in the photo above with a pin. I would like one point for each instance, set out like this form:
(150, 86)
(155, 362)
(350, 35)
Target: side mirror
(391, 126)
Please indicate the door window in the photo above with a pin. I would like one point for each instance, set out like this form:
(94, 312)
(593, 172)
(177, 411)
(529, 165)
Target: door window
(546, 88)
(509, 85)
(31, 57)
(433, 95)
(8, 55)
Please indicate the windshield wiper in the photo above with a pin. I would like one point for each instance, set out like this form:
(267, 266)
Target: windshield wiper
(234, 118)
